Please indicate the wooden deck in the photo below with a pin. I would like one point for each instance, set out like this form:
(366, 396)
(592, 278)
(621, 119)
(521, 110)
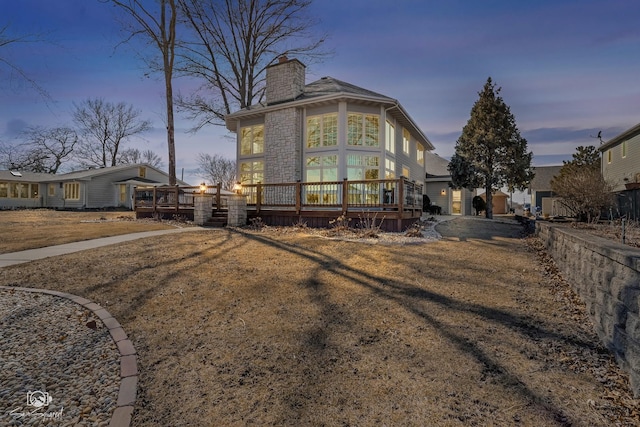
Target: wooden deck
(394, 204)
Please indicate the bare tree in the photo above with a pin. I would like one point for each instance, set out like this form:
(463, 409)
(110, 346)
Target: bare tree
(105, 127)
(216, 169)
(8, 40)
(235, 41)
(159, 27)
(134, 155)
(43, 150)
(581, 187)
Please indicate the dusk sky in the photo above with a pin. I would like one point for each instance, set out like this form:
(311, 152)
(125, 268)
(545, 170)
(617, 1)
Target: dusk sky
(568, 69)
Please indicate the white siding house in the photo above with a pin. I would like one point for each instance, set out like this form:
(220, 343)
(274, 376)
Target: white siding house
(87, 189)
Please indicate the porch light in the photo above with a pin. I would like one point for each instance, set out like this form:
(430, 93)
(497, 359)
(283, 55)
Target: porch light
(237, 188)
(443, 192)
(203, 188)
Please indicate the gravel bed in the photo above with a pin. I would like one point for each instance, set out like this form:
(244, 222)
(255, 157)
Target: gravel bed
(49, 344)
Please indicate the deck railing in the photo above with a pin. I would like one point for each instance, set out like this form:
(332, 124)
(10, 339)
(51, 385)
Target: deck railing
(174, 197)
(375, 194)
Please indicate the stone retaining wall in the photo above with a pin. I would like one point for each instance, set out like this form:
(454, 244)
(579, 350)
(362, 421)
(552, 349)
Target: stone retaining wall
(606, 276)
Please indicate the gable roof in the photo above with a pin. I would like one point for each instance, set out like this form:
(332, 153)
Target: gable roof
(436, 166)
(543, 176)
(22, 176)
(627, 134)
(81, 175)
(327, 90)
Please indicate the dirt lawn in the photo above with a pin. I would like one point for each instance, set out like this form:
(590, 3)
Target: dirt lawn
(236, 327)
(30, 229)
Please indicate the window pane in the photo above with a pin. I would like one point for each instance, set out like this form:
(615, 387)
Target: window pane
(330, 130)
(390, 138)
(313, 132)
(34, 190)
(245, 141)
(258, 139)
(354, 129)
(313, 161)
(14, 190)
(330, 160)
(313, 175)
(3, 189)
(330, 174)
(354, 174)
(371, 131)
(371, 174)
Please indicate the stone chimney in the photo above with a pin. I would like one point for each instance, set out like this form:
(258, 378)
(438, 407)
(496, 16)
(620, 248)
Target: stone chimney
(285, 80)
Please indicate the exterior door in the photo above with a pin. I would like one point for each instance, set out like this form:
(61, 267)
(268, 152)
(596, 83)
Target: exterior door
(456, 202)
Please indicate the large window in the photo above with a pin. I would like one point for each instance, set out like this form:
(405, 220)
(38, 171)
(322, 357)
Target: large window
(252, 140)
(362, 130)
(405, 171)
(251, 172)
(362, 167)
(322, 131)
(72, 190)
(420, 154)
(390, 137)
(406, 139)
(51, 190)
(18, 190)
(389, 169)
(322, 168)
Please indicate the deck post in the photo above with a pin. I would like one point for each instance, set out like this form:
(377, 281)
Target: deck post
(218, 200)
(400, 202)
(298, 197)
(345, 196)
(154, 199)
(237, 213)
(177, 199)
(258, 197)
(202, 208)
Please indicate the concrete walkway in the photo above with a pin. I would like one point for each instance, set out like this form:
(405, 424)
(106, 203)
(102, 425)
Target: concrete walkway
(49, 251)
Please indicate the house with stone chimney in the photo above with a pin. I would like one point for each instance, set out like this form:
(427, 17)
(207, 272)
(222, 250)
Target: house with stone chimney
(327, 130)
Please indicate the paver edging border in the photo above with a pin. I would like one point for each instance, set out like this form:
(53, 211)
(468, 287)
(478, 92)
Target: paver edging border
(121, 416)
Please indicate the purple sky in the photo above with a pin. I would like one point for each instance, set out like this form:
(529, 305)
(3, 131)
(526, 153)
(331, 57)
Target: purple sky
(567, 69)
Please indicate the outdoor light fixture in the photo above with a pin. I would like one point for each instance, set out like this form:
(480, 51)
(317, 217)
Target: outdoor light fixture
(237, 188)
(203, 188)
(443, 192)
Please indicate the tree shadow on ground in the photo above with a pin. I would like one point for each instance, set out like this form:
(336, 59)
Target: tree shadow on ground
(413, 299)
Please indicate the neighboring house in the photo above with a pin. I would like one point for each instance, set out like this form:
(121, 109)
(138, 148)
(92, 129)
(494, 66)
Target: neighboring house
(323, 131)
(452, 201)
(499, 201)
(541, 194)
(86, 189)
(621, 158)
(621, 167)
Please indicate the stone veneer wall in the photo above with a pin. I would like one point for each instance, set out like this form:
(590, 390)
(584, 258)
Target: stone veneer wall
(606, 276)
(282, 145)
(285, 81)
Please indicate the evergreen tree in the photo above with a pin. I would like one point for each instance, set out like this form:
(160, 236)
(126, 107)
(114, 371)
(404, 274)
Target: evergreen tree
(490, 153)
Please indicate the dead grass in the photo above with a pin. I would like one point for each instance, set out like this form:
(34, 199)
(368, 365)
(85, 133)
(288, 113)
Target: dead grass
(30, 229)
(238, 327)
